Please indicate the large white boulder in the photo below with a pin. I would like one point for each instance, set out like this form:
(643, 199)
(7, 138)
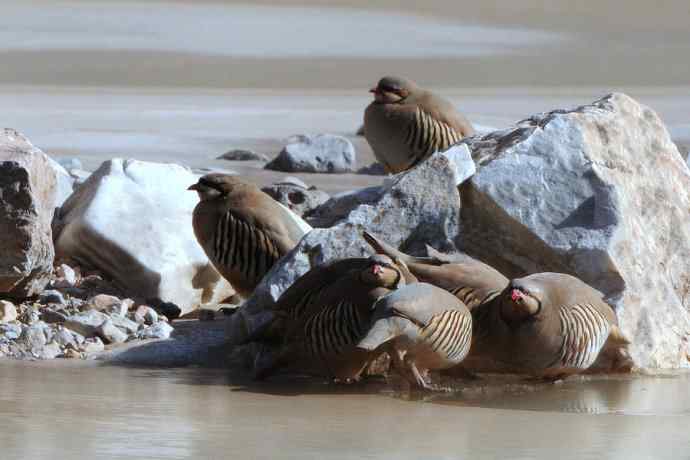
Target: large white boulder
(133, 221)
(319, 153)
(27, 201)
(599, 192)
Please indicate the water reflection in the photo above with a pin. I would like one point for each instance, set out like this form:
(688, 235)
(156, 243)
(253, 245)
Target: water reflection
(66, 410)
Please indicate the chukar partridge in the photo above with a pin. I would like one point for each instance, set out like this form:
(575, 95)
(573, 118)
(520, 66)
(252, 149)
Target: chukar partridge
(422, 327)
(551, 325)
(473, 282)
(329, 312)
(242, 230)
(406, 124)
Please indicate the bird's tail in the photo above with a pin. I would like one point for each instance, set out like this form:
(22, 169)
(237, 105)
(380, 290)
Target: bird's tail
(384, 248)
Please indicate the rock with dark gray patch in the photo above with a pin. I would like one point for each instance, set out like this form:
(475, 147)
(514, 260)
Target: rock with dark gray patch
(27, 200)
(242, 155)
(599, 192)
(419, 207)
(298, 199)
(374, 169)
(320, 153)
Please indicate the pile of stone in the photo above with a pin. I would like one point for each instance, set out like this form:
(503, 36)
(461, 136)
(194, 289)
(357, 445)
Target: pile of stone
(73, 318)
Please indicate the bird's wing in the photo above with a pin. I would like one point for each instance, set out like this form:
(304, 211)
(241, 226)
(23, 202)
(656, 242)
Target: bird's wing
(445, 112)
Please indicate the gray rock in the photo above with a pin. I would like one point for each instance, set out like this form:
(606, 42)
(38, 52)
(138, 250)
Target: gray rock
(27, 198)
(110, 333)
(52, 316)
(67, 338)
(51, 296)
(105, 303)
(599, 192)
(34, 337)
(462, 162)
(10, 331)
(8, 312)
(416, 208)
(50, 351)
(145, 315)
(298, 199)
(242, 155)
(126, 324)
(64, 183)
(86, 323)
(67, 277)
(374, 169)
(132, 220)
(339, 206)
(320, 153)
(92, 346)
(160, 330)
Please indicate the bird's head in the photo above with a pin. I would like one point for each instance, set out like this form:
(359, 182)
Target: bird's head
(392, 90)
(215, 185)
(382, 272)
(521, 301)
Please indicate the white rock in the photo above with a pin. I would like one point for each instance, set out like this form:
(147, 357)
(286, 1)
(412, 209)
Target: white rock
(65, 183)
(67, 274)
(10, 331)
(461, 161)
(27, 198)
(133, 221)
(145, 315)
(160, 330)
(111, 333)
(8, 312)
(50, 351)
(92, 345)
(320, 153)
(124, 323)
(86, 323)
(599, 192)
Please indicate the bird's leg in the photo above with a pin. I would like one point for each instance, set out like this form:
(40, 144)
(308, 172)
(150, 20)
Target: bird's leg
(418, 380)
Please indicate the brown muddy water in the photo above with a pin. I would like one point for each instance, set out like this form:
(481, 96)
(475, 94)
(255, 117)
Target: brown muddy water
(69, 410)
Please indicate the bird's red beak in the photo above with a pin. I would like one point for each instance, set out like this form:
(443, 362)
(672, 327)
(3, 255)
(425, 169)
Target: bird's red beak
(516, 295)
(374, 90)
(376, 269)
(193, 187)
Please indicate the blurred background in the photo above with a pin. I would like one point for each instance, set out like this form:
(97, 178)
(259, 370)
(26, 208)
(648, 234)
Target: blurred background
(184, 81)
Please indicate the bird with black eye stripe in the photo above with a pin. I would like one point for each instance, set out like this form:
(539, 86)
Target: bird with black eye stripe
(405, 124)
(242, 229)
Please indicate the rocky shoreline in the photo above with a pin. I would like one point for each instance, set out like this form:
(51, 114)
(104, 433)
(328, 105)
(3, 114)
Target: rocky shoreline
(103, 261)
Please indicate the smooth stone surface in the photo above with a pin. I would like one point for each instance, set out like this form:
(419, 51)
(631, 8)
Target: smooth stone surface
(242, 155)
(8, 312)
(132, 220)
(28, 187)
(415, 208)
(110, 333)
(323, 153)
(599, 192)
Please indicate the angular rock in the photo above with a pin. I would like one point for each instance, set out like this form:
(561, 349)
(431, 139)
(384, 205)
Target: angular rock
(27, 197)
(92, 345)
(242, 155)
(126, 324)
(599, 192)
(34, 337)
(374, 169)
(86, 323)
(106, 303)
(65, 337)
(160, 330)
(110, 333)
(132, 220)
(52, 296)
(462, 162)
(419, 207)
(319, 153)
(64, 183)
(66, 275)
(10, 331)
(145, 315)
(52, 316)
(299, 200)
(8, 312)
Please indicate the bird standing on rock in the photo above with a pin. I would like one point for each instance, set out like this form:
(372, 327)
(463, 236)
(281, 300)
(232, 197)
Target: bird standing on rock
(422, 327)
(406, 124)
(551, 325)
(242, 230)
(326, 312)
